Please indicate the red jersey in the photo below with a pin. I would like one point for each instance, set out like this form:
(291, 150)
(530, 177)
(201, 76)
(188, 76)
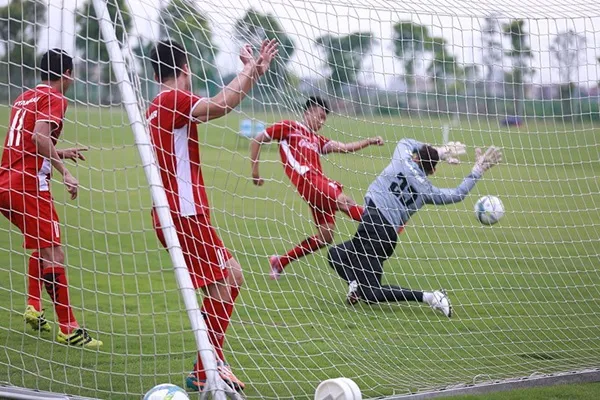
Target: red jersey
(22, 168)
(174, 134)
(300, 149)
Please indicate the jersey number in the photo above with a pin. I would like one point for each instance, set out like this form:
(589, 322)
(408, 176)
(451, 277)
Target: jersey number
(403, 191)
(14, 133)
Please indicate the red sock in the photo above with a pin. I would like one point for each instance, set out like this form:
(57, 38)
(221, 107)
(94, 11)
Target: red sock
(308, 246)
(55, 281)
(235, 291)
(216, 315)
(34, 282)
(355, 212)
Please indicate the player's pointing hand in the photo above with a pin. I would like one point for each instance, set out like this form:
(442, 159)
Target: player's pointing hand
(73, 154)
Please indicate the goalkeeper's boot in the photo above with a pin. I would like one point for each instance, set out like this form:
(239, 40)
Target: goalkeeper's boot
(36, 320)
(276, 268)
(79, 338)
(441, 303)
(353, 296)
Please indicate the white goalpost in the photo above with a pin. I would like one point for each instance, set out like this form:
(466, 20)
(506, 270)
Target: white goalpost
(525, 292)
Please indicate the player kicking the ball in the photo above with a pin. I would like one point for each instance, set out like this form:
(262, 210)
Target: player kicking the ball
(173, 117)
(29, 155)
(399, 192)
(301, 147)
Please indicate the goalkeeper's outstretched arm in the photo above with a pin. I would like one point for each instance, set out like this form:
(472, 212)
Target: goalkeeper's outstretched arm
(484, 161)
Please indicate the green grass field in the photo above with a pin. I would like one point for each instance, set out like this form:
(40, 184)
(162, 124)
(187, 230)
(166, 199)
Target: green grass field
(526, 292)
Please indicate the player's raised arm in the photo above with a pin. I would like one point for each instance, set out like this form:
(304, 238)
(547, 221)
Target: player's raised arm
(339, 147)
(233, 94)
(45, 147)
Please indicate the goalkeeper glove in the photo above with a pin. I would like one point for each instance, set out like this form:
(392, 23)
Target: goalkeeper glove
(485, 161)
(450, 151)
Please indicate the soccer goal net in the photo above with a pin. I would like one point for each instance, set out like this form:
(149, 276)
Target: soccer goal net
(525, 292)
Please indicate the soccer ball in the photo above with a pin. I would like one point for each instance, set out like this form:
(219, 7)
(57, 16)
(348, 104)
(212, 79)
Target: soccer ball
(489, 210)
(166, 391)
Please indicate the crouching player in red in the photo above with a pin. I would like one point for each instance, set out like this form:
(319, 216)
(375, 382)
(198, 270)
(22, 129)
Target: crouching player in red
(173, 117)
(28, 157)
(301, 147)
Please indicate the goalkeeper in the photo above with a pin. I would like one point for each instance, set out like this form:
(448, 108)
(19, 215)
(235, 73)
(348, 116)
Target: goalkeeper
(397, 193)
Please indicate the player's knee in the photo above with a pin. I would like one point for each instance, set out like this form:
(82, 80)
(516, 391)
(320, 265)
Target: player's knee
(52, 255)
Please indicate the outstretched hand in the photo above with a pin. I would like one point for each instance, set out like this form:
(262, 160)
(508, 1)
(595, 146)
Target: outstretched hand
(268, 51)
(485, 161)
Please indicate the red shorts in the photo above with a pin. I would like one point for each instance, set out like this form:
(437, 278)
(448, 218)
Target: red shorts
(321, 194)
(204, 252)
(34, 214)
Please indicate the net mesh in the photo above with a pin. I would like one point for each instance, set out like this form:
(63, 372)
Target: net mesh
(519, 75)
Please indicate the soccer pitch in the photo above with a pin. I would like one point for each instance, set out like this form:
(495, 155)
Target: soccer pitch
(525, 292)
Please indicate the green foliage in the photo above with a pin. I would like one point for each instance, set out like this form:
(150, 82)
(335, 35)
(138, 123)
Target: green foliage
(411, 41)
(92, 47)
(567, 48)
(345, 55)
(19, 21)
(520, 54)
(183, 22)
(253, 28)
(443, 65)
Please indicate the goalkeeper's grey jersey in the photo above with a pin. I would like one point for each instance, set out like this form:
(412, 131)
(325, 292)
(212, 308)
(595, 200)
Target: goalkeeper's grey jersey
(403, 188)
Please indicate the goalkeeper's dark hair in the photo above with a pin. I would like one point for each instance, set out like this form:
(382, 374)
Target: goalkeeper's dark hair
(54, 63)
(316, 101)
(428, 158)
(168, 58)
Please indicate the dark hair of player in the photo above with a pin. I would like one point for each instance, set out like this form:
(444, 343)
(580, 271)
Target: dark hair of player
(428, 158)
(315, 101)
(168, 59)
(54, 63)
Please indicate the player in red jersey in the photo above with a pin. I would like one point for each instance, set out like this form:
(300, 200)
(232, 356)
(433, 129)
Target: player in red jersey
(300, 148)
(173, 117)
(29, 155)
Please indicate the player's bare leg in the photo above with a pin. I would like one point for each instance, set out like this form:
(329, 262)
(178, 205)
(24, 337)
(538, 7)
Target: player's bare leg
(55, 281)
(34, 314)
(348, 206)
(217, 307)
(323, 237)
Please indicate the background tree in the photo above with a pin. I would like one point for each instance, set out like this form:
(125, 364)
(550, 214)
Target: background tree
(443, 70)
(411, 42)
(520, 55)
(492, 59)
(19, 21)
(253, 28)
(344, 57)
(90, 44)
(183, 22)
(567, 48)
